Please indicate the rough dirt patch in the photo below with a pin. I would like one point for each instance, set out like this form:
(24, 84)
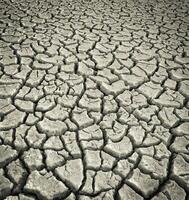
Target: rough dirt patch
(94, 100)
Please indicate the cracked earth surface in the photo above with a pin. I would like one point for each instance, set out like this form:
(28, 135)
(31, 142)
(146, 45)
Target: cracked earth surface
(94, 100)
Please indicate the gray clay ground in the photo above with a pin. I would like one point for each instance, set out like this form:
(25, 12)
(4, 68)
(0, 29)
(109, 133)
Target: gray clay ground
(94, 100)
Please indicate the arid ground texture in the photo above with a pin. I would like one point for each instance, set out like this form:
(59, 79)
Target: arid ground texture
(94, 100)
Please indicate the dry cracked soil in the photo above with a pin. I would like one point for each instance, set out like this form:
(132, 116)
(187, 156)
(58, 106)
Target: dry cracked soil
(94, 100)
